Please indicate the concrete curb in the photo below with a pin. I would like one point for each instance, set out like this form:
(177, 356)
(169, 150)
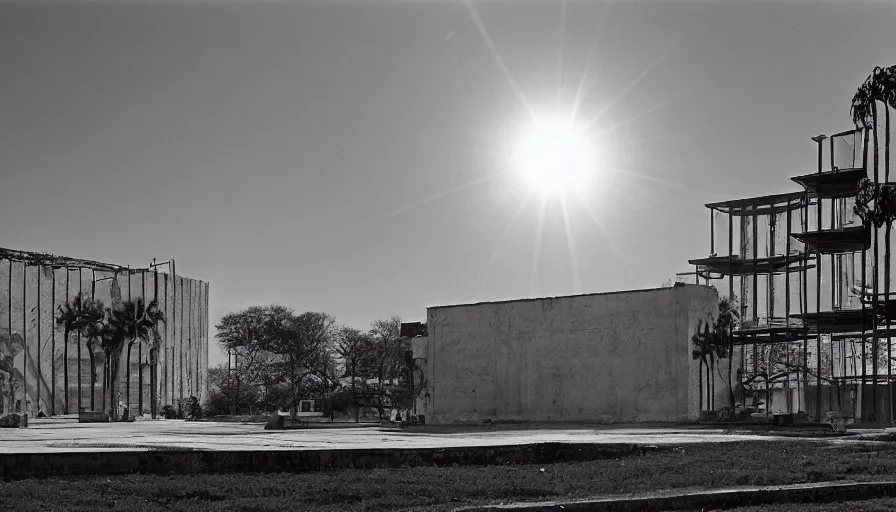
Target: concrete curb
(823, 492)
(47, 464)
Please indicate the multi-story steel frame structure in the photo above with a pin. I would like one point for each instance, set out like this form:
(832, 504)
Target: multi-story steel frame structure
(806, 272)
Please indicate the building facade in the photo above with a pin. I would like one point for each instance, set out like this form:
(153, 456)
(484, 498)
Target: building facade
(610, 357)
(42, 373)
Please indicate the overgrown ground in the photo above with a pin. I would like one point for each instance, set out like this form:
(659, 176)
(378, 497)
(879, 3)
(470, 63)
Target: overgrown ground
(431, 488)
(881, 505)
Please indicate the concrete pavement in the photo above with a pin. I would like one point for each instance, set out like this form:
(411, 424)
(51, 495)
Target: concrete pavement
(55, 436)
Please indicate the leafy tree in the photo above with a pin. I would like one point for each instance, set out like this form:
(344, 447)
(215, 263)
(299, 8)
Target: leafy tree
(352, 344)
(250, 336)
(275, 346)
(389, 349)
(223, 393)
(305, 342)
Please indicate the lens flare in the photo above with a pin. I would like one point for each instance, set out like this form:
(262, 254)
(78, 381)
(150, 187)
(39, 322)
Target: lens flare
(555, 156)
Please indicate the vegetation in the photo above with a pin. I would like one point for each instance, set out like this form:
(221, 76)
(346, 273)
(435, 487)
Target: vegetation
(699, 466)
(280, 357)
(715, 342)
(127, 323)
(110, 329)
(876, 201)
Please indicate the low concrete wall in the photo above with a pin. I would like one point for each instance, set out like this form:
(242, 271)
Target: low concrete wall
(28, 465)
(613, 357)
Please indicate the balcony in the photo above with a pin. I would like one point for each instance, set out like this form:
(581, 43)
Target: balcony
(832, 185)
(836, 241)
(720, 266)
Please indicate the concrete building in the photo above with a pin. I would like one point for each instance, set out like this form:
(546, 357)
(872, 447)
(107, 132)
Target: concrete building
(608, 357)
(40, 372)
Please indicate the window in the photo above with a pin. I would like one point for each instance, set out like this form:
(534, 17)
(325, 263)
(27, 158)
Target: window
(306, 406)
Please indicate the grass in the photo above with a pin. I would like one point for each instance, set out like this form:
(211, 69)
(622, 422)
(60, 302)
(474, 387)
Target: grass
(881, 505)
(433, 488)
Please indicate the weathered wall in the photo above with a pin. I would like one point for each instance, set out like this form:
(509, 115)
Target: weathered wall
(29, 302)
(606, 357)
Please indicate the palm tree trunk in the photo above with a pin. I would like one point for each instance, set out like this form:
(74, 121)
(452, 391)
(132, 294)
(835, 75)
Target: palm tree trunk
(874, 271)
(127, 376)
(887, 258)
(700, 385)
(887, 297)
(152, 383)
(65, 368)
(115, 382)
(105, 377)
(90, 349)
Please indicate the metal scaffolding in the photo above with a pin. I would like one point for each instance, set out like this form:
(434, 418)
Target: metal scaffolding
(57, 381)
(805, 270)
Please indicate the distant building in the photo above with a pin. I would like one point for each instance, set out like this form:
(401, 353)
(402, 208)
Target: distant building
(42, 374)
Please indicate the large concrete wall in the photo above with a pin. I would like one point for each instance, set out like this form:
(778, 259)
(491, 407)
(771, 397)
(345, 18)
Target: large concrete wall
(610, 357)
(182, 365)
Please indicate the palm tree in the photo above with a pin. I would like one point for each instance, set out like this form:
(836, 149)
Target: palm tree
(702, 350)
(153, 369)
(880, 86)
(129, 322)
(93, 326)
(70, 319)
(715, 341)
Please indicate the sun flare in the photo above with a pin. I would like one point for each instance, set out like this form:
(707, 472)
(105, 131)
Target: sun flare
(555, 156)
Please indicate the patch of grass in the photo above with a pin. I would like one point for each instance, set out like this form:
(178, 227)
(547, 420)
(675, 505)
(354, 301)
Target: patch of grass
(434, 488)
(880, 505)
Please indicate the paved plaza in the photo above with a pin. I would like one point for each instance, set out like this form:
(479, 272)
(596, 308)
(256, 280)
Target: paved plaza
(57, 436)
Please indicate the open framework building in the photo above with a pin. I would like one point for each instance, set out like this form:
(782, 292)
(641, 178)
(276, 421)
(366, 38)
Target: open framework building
(808, 275)
(40, 372)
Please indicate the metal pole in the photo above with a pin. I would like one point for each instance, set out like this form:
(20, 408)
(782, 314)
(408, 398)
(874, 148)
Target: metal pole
(730, 255)
(787, 272)
(804, 302)
(864, 284)
(140, 348)
(127, 376)
(25, 338)
(65, 345)
(191, 385)
(12, 394)
(40, 377)
(154, 371)
(53, 348)
(78, 337)
(181, 351)
(818, 287)
(92, 356)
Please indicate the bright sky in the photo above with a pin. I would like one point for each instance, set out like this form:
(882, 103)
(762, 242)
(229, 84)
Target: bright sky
(286, 152)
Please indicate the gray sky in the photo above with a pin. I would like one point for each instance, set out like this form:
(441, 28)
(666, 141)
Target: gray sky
(287, 152)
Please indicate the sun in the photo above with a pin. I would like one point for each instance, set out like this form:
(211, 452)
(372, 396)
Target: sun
(555, 155)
